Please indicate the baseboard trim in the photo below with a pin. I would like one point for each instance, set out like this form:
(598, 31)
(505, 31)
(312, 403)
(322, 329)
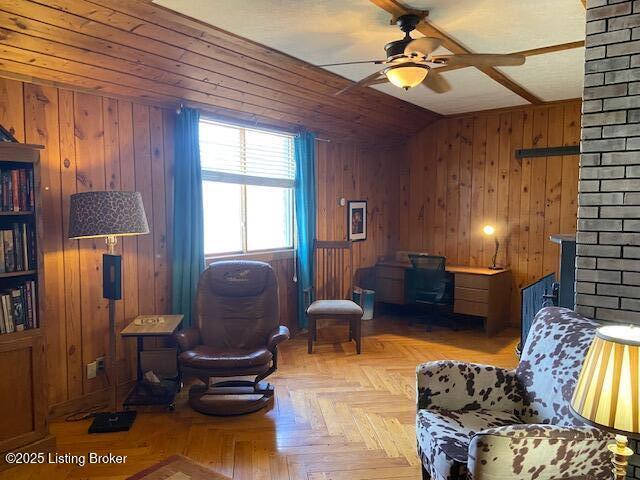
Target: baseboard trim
(98, 399)
(44, 445)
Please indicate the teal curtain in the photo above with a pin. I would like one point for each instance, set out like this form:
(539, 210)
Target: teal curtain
(188, 229)
(305, 200)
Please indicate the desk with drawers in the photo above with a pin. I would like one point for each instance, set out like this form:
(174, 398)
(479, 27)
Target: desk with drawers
(477, 291)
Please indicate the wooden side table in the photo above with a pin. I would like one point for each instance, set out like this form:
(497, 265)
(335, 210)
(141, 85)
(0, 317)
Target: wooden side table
(142, 393)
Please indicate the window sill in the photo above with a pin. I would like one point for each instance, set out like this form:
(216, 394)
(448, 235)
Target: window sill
(263, 256)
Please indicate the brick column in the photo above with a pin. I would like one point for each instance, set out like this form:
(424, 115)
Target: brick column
(608, 238)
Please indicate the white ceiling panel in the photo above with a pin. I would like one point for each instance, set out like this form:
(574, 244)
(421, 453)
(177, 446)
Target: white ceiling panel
(331, 31)
(491, 26)
(552, 76)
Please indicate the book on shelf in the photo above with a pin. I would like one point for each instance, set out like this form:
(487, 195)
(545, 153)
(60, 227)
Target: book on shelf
(18, 310)
(17, 190)
(17, 248)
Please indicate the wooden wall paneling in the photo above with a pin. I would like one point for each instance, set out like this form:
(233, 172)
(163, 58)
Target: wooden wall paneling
(404, 177)
(70, 248)
(364, 189)
(137, 55)
(321, 199)
(476, 240)
(168, 125)
(440, 187)
(357, 186)
(466, 173)
(260, 56)
(12, 107)
(429, 174)
(236, 101)
(453, 188)
(344, 189)
(321, 185)
(553, 182)
(343, 185)
(417, 214)
(183, 30)
(538, 190)
(522, 274)
(161, 268)
(395, 166)
(89, 131)
(355, 173)
(526, 199)
(112, 177)
(330, 192)
(41, 127)
(152, 79)
(569, 187)
(89, 145)
(144, 185)
(505, 152)
(491, 184)
(129, 245)
(378, 198)
(372, 190)
(391, 204)
(514, 230)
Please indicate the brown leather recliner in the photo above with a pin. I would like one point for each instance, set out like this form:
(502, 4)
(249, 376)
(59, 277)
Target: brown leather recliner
(236, 333)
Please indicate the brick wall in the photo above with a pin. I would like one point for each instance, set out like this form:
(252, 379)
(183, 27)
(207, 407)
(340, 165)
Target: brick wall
(608, 238)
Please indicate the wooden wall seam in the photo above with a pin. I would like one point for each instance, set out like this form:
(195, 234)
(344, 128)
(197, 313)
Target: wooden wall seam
(461, 173)
(93, 143)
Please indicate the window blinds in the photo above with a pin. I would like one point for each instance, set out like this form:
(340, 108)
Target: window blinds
(240, 155)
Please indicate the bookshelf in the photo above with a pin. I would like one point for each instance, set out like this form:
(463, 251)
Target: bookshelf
(22, 390)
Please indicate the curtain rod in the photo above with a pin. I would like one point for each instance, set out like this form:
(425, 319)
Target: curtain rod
(245, 123)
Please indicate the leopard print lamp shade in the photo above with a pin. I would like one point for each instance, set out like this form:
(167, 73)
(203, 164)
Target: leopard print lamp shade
(106, 213)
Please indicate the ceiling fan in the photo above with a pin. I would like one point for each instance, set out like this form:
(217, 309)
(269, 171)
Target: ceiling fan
(410, 62)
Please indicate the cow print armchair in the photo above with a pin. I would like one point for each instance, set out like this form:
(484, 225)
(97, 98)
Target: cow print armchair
(484, 422)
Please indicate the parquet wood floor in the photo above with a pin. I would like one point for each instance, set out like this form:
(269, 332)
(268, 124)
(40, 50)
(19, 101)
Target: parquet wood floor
(337, 415)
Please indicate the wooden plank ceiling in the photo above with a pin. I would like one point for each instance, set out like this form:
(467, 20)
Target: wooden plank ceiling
(137, 50)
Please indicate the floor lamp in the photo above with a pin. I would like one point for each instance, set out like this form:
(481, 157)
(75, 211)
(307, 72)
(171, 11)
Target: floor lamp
(607, 393)
(109, 214)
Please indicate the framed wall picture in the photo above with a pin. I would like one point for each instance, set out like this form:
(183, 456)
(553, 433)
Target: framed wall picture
(357, 220)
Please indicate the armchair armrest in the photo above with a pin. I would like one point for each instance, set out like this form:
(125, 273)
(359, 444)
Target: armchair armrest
(280, 334)
(455, 385)
(187, 338)
(519, 452)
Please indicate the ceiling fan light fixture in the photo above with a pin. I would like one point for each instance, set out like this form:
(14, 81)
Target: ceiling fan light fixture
(407, 75)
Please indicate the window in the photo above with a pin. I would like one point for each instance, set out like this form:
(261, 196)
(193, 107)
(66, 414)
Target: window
(248, 178)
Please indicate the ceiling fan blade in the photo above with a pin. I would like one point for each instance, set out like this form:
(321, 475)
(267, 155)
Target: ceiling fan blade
(481, 59)
(373, 79)
(436, 82)
(376, 62)
(423, 46)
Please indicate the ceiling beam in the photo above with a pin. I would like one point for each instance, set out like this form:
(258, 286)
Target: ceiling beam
(527, 53)
(396, 9)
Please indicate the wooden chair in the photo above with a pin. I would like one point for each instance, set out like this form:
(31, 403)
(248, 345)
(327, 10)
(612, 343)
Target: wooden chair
(333, 285)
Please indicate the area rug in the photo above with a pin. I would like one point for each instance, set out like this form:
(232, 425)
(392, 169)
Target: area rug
(177, 467)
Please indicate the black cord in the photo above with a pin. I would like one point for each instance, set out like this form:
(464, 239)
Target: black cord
(84, 414)
(90, 413)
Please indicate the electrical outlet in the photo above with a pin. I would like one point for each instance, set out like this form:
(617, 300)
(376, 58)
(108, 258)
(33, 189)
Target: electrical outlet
(91, 370)
(100, 363)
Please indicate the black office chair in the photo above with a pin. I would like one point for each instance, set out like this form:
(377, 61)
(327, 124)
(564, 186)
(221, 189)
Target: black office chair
(427, 283)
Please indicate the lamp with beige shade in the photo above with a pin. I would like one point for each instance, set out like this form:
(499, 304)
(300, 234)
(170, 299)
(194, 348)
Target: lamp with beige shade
(607, 391)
